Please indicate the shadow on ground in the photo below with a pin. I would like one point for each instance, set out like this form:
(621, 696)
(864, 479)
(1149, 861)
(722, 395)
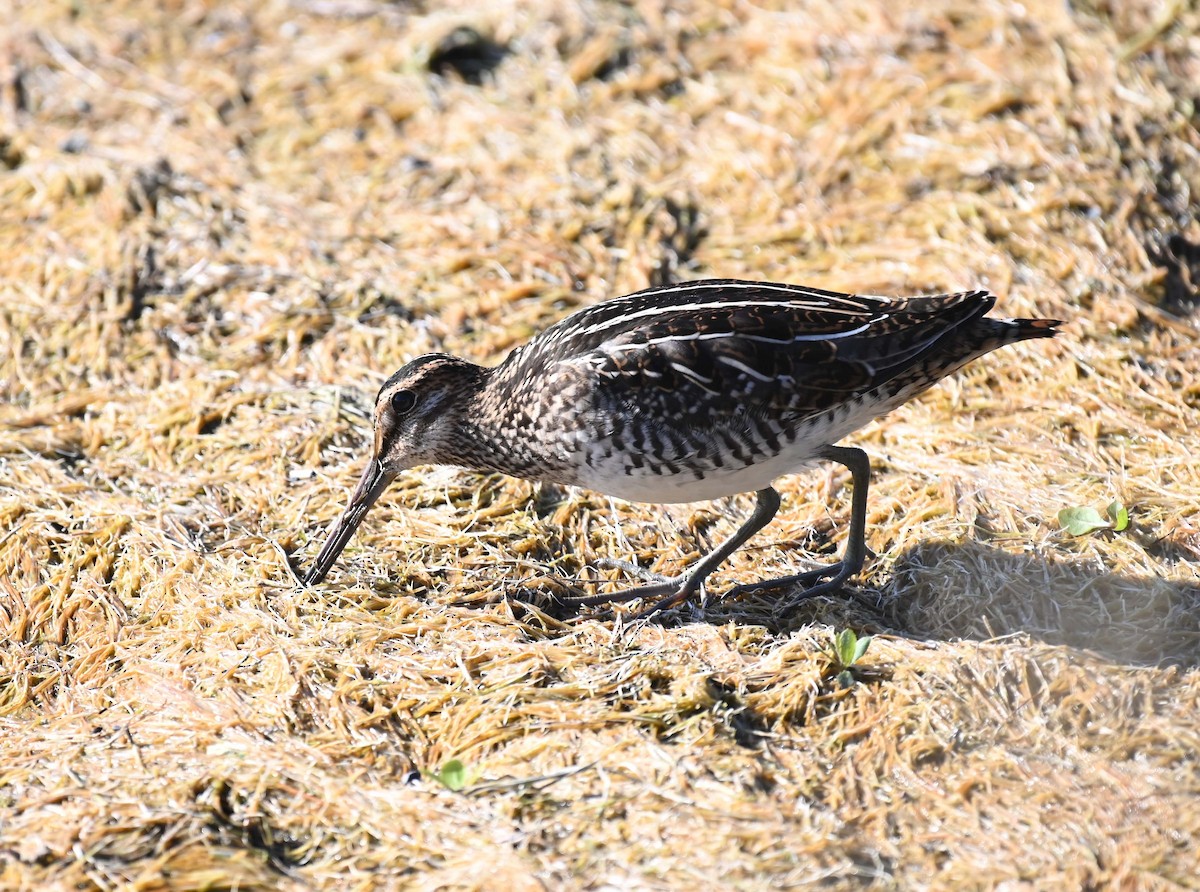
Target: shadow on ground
(943, 590)
(969, 590)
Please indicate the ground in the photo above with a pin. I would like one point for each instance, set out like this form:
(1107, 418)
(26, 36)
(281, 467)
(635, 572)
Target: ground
(221, 227)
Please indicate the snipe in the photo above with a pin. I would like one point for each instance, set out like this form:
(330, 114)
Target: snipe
(681, 393)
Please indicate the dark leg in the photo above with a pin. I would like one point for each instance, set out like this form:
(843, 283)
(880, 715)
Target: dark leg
(680, 588)
(856, 542)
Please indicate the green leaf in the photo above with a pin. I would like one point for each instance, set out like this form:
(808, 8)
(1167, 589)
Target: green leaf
(453, 775)
(1081, 521)
(845, 679)
(1119, 515)
(861, 648)
(846, 643)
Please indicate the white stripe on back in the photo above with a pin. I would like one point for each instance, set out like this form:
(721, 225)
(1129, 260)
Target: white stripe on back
(742, 367)
(690, 308)
(759, 339)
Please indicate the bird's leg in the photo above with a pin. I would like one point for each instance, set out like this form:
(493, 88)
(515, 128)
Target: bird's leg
(679, 588)
(856, 544)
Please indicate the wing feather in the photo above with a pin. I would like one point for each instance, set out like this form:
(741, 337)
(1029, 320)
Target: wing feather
(788, 358)
(718, 350)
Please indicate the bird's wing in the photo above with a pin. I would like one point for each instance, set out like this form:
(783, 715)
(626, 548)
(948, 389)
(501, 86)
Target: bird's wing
(789, 354)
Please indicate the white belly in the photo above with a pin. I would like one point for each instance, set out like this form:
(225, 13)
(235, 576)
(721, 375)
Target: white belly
(695, 477)
(616, 478)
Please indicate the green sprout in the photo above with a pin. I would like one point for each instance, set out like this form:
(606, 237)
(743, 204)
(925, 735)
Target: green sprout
(455, 776)
(848, 649)
(1081, 521)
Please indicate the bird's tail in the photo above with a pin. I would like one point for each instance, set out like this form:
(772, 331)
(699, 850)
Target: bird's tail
(1009, 331)
(985, 335)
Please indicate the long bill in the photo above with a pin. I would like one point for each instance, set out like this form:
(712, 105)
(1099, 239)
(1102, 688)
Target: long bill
(374, 481)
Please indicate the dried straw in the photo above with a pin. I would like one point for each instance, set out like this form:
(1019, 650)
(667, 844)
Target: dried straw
(221, 225)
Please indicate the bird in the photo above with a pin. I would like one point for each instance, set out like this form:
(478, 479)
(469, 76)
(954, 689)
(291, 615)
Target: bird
(681, 393)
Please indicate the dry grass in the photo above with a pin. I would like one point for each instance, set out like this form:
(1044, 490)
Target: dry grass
(222, 224)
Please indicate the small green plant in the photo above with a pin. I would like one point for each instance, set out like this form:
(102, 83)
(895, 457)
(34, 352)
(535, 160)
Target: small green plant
(455, 776)
(848, 649)
(1081, 521)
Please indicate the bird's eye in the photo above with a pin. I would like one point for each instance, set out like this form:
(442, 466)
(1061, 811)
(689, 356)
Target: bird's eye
(403, 401)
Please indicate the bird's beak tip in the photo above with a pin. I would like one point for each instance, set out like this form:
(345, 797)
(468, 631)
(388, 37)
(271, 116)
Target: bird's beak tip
(375, 480)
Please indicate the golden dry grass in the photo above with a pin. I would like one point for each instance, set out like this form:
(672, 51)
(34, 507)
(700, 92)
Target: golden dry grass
(222, 224)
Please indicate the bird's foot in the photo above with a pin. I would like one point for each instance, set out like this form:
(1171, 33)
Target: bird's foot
(674, 590)
(838, 574)
(670, 590)
(685, 587)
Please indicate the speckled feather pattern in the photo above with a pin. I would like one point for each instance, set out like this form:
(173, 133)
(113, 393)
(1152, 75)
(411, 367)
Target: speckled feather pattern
(682, 393)
(694, 391)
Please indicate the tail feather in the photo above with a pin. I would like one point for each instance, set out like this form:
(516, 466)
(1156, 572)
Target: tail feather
(1024, 329)
(984, 336)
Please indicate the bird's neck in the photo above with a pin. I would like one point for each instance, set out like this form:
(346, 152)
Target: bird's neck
(495, 429)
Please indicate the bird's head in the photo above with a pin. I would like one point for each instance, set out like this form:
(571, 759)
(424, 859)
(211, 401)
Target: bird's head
(418, 420)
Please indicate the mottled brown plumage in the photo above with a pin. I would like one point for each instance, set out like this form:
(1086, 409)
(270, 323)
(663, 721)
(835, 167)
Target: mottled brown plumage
(681, 393)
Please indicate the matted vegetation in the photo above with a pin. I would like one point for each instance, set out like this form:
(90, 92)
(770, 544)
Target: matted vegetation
(221, 225)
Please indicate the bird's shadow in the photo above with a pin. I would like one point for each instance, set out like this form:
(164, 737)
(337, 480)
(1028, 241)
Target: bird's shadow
(941, 590)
